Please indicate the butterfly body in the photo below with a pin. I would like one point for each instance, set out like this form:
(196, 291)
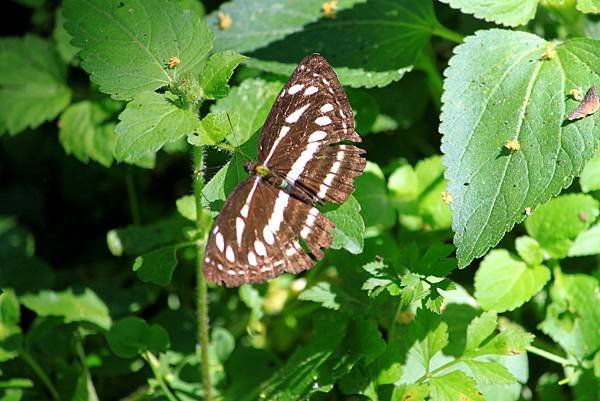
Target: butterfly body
(303, 159)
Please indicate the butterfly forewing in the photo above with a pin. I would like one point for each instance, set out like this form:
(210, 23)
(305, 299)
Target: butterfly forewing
(261, 228)
(589, 105)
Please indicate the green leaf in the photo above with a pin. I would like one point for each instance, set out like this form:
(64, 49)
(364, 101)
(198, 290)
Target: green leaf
(216, 73)
(571, 319)
(222, 343)
(589, 6)
(371, 193)
(349, 226)
(62, 39)
(72, 306)
(84, 389)
(156, 266)
(250, 104)
(587, 242)
(505, 12)
(131, 336)
(386, 37)
(504, 282)
(33, 86)
(85, 133)
(557, 223)
(490, 372)
(186, 206)
(590, 175)
(10, 331)
(529, 250)
(322, 294)
(403, 183)
(454, 386)
(511, 341)
(213, 128)
(412, 392)
(148, 122)
(479, 329)
(491, 187)
(126, 45)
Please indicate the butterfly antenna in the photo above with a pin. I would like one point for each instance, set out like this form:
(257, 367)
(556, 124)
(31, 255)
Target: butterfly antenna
(238, 146)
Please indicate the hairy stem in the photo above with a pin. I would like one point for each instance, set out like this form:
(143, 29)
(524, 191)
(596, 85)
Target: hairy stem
(37, 369)
(133, 200)
(155, 367)
(202, 303)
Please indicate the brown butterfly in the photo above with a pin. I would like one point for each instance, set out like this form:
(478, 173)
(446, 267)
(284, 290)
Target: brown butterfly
(589, 105)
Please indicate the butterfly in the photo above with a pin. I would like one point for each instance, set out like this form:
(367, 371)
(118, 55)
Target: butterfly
(589, 105)
(305, 157)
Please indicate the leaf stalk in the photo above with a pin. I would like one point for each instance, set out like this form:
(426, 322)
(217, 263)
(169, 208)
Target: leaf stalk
(37, 369)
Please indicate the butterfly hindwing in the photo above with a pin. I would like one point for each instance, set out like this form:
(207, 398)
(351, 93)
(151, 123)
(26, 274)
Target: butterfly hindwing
(589, 105)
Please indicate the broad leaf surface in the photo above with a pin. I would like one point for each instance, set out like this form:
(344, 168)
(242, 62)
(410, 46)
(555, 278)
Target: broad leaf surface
(131, 336)
(590, 176)
(216, 73)
(505, 12)
(454, 386)
(386, 36)
(63, 40)
(504, 282)
(529, 250)
(85, 133)
(490, 372)
(349, 226)
(371, 192)
(156, 266)
(479, 329)
(149, 122)
(589, 6)
(126, 45)
(72, 306)
(500, 87)
(587, 242)
(33, 86)
(10, 331)
(557, 223)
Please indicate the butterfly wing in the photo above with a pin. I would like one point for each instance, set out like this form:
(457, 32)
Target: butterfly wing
(255, 237)
(301, 137)
(589, 105)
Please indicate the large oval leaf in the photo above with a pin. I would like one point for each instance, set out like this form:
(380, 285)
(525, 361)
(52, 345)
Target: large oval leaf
(504, 85)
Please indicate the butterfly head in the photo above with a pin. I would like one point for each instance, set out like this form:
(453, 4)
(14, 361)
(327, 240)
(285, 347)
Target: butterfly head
(256, 169)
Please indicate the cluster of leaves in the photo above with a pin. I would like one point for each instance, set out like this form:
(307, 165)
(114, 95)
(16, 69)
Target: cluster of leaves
(136, 85)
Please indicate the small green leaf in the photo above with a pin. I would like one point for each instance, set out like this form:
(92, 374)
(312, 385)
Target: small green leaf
(85, 133)
(10, 331)
(479, 329)
(213, 128)
(573, 317)
(412, 392)
(454, 386)
(529, 250)
(126, 45)
(504, 282)
(590, 175)
(250, 103)
(511, 341)
(293, 29)
(33, 86)
(403, 183)
(587, 242)
(505, 12)
(222, 343)
(186, 206)
(148, 122)
(63, 40)
(589, 6)
(557, 223)
(131, 336)
(72, 306)
(322, 294)
(491, 186)
(349, 226)
(433, 210)
(156, 266)
(371, 193)
(490, 372)
(215, 74)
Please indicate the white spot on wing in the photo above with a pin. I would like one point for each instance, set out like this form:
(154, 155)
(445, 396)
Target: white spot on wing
(260, 248)
(220, 242)
(340, 155)
(314, 211)
(282, 133)
(300, 163)
(326, 82)
(290, 251)
(329, 179)
(252, 259)
(292, 118)
(277, 216)
(268, 235)
(323, 120)
(295, 89)
(305, 232)
(327, 107)
(245, 210)
(229, 254)
(311, 90)
(239, 229)
(336, 166)
(322, 191)
(317, 136)
(216, 229)
(310, 220)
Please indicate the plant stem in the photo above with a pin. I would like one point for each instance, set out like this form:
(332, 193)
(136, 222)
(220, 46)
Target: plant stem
(549, 356)
(443, 367)
(133, 200)
(443, 32)
(154, 365)
(394, 322)
(202, 302)
(28, 358)
(93, 395)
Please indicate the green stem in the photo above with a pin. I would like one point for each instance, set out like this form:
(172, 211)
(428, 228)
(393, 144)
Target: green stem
(394, 323)
(133, 200)
(429, 375)
(202, 303)
(89, 383)
(37, 369)
(549, 356)
(155, 366)
(443, 32)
